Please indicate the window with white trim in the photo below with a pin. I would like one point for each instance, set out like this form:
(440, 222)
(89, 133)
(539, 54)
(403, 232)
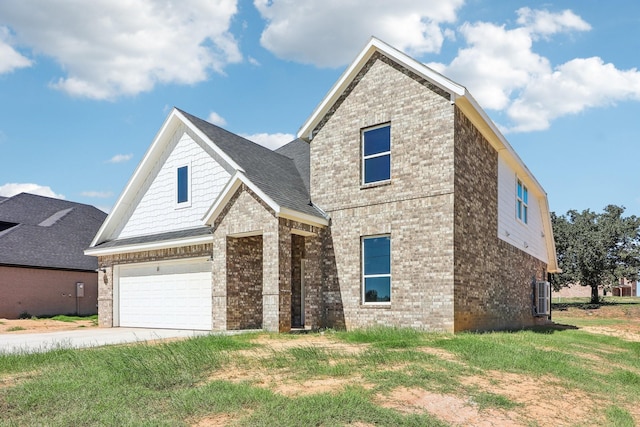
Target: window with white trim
(543, 298)
(183, 186)
(522, 202)
(376, 269)
(376, 154)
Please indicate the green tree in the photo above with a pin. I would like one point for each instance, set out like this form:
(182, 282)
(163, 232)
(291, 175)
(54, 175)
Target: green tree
(596, 248)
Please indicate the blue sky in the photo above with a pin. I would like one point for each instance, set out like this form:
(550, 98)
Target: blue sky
(85, 86)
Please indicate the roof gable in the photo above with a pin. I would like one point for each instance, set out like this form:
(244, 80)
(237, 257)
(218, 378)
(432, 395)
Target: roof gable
(274, 176)
(458, 95)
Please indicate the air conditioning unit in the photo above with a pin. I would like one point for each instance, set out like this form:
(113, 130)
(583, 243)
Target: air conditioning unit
(542, 298)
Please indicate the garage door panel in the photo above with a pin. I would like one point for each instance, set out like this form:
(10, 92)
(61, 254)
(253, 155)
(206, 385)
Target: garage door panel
(168, 296)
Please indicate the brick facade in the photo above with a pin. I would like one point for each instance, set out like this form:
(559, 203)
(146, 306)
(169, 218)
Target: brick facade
(449, 270)
(46, 292)
(415, 208)
(493, 280)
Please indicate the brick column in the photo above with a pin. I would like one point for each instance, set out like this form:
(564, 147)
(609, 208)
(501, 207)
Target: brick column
(284, 277)
(270, 282)
(105, 296)
(219, 283)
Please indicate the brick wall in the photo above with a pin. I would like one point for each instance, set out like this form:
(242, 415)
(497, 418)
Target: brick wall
(244, 283)
(493, 279)
(46, 292)
(415, 208)
(297, 255)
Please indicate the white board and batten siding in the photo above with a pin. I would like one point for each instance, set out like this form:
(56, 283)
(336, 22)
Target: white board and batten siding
(528, 237)
(155, 209)
(171, 295)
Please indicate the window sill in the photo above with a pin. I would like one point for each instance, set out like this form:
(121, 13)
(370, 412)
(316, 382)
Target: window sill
(375, 305)
(375, 184)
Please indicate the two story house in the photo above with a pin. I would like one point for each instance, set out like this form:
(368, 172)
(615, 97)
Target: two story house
(400, 203)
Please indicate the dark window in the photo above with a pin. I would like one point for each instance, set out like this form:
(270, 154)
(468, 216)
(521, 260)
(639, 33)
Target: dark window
(376, 154)
(522, 202)
(376, 267)
(183, 184)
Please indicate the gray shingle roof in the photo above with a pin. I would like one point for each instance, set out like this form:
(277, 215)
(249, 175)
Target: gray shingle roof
(50, 233)
(277, 175)
(299, 151)
(161, 237)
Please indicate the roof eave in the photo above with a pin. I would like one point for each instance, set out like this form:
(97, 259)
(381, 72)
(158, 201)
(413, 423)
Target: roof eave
(149, 246)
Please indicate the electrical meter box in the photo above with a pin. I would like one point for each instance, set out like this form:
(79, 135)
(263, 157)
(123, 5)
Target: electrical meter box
(79, 289)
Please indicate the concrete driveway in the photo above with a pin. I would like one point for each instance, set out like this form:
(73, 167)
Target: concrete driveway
(95, 337)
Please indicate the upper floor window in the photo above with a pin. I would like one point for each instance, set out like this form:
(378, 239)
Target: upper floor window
(376, 154)
(376, 269)
(182, 185)
(522, 202)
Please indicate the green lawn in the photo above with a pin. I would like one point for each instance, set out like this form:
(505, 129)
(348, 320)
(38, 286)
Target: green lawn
(363, 378)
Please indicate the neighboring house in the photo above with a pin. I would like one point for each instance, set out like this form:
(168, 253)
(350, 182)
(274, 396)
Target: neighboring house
(43, 269)
(401, 203)
(625, 288)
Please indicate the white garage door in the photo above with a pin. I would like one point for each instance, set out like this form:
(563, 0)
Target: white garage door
(166, 295)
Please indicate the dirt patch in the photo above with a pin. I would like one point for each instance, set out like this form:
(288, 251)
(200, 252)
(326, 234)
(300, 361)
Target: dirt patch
(219, 420)
(542, 399)
(26, 326)
(449, 408)
(281, 380)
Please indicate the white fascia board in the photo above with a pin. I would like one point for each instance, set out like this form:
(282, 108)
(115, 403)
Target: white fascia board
(552, 258)
(208, 141)
(139, 175)
(166, 244)
(303, 217)
(349, 74)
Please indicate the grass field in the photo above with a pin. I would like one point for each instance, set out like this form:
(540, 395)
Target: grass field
(585, 371)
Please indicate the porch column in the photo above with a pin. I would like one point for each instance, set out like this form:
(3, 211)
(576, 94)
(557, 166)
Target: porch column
(270, 282)
(284, 277)
(219, 283)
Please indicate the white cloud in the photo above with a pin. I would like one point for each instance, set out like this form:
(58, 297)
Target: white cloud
(504, 73)
(543, 22)
(97, 194)
(270, 140)
(571, 88)
(120, 158)
(111, 48)
(328, 33)
(11, 189)
(216, 119)
(11, 59)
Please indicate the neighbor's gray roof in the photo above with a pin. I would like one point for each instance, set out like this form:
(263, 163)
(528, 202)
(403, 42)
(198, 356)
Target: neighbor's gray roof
(49, 233)
(275, 174)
